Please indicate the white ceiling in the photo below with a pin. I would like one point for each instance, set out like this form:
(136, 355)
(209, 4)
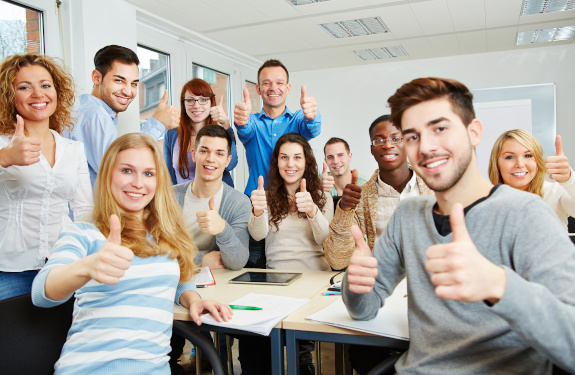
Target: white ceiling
(424, 28)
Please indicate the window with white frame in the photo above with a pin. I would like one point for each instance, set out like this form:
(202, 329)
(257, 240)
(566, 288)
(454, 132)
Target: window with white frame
(218, 81)
(21, 29)
(154, 80)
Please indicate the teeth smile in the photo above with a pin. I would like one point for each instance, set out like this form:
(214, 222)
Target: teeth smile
(436, 164)
(291, 172)
(519, 174)
(210, 168)
(389, 157)
(39, 105)
(135, 195)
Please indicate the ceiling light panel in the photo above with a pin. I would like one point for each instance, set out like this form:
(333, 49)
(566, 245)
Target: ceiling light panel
(380, 53)
(304, 2)
(353, 28)
(545, 35)
(531, 7)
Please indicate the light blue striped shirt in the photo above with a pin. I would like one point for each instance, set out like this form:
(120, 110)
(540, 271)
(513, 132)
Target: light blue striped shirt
(123, 328)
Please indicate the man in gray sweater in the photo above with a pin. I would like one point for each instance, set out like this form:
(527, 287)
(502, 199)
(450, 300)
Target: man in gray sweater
(491, 287)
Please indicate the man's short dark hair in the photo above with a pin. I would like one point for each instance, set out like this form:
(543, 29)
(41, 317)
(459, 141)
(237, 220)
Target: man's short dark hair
(378, 120)
(272, 63)
(215, 131)
(106, 56)
(425, 89)
(334, 140)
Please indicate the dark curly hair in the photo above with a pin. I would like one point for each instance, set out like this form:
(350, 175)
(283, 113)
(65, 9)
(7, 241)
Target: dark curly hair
(280, 202)
(63, 83)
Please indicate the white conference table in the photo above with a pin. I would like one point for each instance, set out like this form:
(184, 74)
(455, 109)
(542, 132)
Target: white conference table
(307, 286)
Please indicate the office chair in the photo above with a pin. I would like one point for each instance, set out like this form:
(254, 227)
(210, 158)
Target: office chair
(387, 366)
(31, 337)
(201, 342)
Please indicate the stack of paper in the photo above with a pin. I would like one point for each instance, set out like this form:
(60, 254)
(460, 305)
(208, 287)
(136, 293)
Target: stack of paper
(273, 310)
(391, 321)
(204, 277)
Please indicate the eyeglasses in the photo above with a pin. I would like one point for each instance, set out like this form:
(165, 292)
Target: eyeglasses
(200, 100)
(392, 141)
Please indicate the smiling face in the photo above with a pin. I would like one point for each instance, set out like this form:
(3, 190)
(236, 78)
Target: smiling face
(337, 159)
(388, 156)
(438, 144)
(291, 164)
(273, 86)
(133, 181)
(118, 87)
(211, 158)
(516, 165)
(197, 112)
(35, 96)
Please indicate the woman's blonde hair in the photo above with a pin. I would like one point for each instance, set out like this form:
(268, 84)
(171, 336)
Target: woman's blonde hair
(529, 142)
(63, 84)
(162, 217)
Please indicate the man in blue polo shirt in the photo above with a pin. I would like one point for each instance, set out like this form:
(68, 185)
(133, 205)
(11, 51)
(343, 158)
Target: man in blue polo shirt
(259, 132)
(115, 78)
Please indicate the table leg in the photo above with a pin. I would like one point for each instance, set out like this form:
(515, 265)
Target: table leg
(292, 353)
(277, 351)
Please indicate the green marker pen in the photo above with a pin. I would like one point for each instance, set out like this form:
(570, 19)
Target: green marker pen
(240, 307)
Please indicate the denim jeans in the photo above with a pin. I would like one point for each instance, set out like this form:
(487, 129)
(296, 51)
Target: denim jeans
(13, 284)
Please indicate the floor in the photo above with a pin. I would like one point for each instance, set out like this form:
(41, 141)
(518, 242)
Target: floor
(327, 358)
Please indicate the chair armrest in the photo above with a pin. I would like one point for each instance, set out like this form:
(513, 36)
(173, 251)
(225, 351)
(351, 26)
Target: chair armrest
(202, 342)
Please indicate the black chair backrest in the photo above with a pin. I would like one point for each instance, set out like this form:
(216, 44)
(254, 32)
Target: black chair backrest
(31, 338)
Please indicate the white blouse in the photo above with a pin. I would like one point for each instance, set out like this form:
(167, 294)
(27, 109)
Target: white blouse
(560, 196)
(34, 204)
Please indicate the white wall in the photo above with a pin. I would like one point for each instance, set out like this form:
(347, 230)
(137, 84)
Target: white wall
(350, 98)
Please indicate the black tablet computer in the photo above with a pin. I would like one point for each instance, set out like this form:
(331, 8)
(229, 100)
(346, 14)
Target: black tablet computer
(266, 278)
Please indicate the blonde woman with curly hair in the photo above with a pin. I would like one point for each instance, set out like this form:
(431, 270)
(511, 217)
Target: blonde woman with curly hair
(517, 160)
(42, 174)
(126, 268)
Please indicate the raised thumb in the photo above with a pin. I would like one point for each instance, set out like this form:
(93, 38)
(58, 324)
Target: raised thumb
(360, 244)
(354, 176)
(211, 203)
(558, 146)
(302, 185)
(303, 91)
(457, 221)
(165, 98)
(324, 171)
(19, 131)
(247, 97)
(115, 230)
(221, 101)
(261, 183)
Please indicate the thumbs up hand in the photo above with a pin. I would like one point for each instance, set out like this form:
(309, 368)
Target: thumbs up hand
(304, 202)
(558, 166)
(108, 265)
(243, 110)
(219, 115)
(21, 150)
(308, 104)
(459, 271)
(167, 114)
(258, 198)
(351, 195)
(210, 221)
(327, 181)
(362, 268)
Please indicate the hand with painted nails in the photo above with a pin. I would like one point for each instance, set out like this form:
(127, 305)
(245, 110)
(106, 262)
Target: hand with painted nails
(351, 193)
(362, 268)
(459, 271)
(258, 198)
(243, 110)
(210, 220)
(304, 202)
(308, 104)
(327, 181)
(219, 115)
(557, 166)
(21, 150)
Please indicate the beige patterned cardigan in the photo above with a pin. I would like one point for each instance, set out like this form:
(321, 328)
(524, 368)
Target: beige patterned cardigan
(339, 245)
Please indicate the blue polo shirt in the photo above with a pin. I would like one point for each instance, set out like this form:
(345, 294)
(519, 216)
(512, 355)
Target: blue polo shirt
(260, 134)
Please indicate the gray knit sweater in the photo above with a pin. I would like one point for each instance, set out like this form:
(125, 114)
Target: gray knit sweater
(532, 323)
(233, 242)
